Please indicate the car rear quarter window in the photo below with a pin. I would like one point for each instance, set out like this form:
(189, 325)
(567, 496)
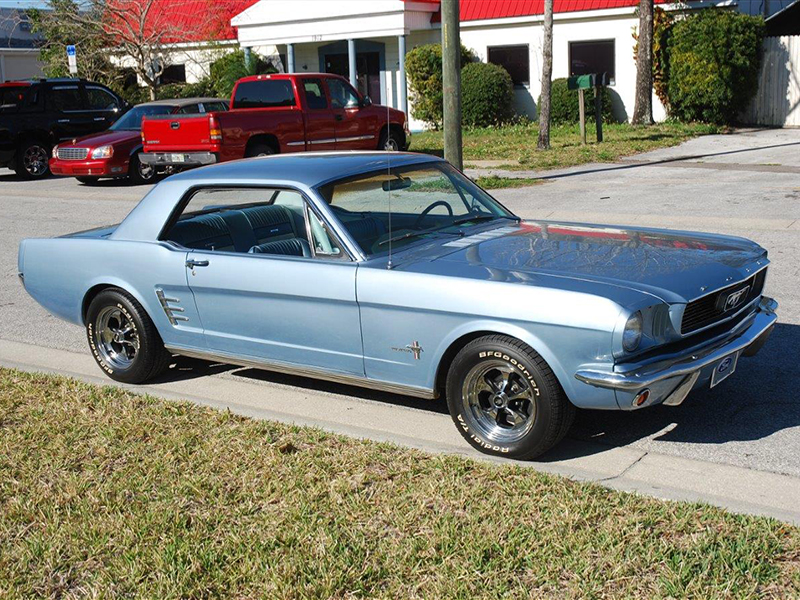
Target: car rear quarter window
(268, 93)
(66, 98)
(100, 99)
(215, 106)
(189, 109)
(11, 98)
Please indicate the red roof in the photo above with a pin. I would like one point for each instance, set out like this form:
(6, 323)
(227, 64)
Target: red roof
(477, 10)
(184, 20)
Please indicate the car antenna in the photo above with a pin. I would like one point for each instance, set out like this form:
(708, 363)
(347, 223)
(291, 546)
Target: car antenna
(389, 173)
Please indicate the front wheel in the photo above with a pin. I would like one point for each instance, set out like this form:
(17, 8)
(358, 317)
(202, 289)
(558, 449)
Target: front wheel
(140, 173)
(123, 339)
(505, 399)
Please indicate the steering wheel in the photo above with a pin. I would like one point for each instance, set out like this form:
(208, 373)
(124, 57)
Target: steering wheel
(425, 212)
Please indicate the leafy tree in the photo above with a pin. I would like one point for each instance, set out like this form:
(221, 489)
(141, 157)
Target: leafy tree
(424, 71)
(231, 67)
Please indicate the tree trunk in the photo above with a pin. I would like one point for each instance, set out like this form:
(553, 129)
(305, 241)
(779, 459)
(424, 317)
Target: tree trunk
(643, 108)
(547, 77)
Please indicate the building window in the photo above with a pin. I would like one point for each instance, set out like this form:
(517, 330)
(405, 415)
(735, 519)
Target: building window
(174, 74)
(596, 56)
(514, 59)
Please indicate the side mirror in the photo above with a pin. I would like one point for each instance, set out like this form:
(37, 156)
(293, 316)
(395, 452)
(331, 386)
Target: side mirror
(367, 101)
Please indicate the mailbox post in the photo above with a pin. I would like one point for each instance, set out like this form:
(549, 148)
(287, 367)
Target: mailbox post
(582, 83)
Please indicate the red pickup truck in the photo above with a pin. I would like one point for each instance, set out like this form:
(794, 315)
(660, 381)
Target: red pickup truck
(271, 114)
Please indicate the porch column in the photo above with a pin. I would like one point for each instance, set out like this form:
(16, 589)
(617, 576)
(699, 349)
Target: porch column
(351, 56)
(248, 60)
(290, 58)
(402, 90)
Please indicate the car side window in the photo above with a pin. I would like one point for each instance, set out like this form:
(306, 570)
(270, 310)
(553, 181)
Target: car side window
(342, 94)
(315, 96)
(252, 221)
(100, 99)
(66, 98)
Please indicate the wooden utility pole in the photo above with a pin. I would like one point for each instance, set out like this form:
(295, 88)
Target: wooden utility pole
(547, 77)
(643, 106)
(451, 79)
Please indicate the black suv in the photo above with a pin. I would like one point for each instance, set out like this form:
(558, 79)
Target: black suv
(35, 115)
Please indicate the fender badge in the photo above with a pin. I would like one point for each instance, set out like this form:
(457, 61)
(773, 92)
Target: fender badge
(413, 348)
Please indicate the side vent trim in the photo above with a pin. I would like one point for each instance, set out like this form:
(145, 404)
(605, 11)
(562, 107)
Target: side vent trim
(170, 310)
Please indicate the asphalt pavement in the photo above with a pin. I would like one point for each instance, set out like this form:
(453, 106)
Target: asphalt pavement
(737, 445)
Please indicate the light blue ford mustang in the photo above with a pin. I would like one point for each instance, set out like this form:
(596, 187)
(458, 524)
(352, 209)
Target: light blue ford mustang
(396, 272)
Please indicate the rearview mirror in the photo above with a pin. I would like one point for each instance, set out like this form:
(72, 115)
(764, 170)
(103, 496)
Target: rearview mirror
(401, 183)
(366, 101)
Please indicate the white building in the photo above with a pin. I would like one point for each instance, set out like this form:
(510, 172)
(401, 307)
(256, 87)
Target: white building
(19, 52)
(366, 40)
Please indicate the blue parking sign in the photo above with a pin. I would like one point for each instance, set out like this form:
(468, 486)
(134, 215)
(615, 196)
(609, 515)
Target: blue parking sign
(70, 50)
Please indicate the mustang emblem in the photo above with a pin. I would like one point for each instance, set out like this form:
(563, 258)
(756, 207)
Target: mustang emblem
(734, 299)
(413, 348)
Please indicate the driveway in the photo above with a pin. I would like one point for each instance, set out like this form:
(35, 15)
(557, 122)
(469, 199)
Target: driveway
(746, 184)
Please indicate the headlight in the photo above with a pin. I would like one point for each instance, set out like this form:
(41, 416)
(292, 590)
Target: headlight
(103, 152)
(55, 151)
(632, 334)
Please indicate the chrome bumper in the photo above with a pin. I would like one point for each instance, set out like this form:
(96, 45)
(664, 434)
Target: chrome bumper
(645, 376)
(167, 159)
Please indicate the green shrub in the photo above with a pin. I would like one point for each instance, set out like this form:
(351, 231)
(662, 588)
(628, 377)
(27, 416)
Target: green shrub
(424, 72)
(714, 59)
(202, 89)
(487, 95)
(564, 104)
(229, 68)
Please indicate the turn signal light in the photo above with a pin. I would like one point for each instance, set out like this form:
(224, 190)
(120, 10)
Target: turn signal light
(216, 134)
(641, 398)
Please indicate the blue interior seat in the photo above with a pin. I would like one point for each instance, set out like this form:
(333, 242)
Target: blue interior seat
(290, 247)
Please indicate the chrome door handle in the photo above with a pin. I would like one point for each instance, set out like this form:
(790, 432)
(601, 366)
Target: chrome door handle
(63, 120)
(196, 263)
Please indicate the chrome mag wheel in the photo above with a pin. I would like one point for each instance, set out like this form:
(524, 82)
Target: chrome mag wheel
(116, 337)
(500, 401)
(391, 145)
(146, 172)
(34, 160)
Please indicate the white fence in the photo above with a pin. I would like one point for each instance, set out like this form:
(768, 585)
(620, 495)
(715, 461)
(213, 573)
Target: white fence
(777, 101)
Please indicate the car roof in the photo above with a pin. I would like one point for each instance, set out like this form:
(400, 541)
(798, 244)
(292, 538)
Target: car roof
(311, 169)
(180, 101)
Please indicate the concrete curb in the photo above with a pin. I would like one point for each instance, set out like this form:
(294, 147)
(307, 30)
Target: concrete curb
(668, 477)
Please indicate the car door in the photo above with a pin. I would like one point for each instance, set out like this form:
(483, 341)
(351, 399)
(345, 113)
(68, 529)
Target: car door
(103, 107)
(255, 300)
(354, 131)
(66, 102)
(320, 124)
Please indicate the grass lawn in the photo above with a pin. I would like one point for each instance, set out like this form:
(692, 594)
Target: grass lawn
(105, 494)
(517, 143)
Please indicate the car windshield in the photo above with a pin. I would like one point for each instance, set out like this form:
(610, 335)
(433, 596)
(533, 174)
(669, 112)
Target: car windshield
(11, 97)
(403, 206)
(132, 120)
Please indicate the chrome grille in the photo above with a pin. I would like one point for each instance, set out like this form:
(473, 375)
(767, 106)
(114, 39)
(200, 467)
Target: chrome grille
(72, 153)
(706, 311)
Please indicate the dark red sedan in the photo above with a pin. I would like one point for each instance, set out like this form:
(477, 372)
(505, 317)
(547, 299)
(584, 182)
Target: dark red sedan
(115, 153)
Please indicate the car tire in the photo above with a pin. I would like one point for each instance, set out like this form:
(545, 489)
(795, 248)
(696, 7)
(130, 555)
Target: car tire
(32, 161)
(123, 339)
(140, 173)
(505, 400)
(390, 141)
(259, 150)
(88, 180)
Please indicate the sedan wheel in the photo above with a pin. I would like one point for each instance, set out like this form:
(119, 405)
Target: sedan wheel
(32, 161)
(123, 339)
(139, 172)
(505, 399)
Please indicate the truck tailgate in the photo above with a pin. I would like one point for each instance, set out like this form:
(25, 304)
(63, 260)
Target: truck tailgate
(185, 133)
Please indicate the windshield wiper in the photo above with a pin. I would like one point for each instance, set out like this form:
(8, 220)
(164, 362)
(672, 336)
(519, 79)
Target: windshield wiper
(479, 218)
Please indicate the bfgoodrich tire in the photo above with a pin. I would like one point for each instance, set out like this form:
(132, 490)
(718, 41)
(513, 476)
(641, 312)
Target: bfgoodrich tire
(123, 339)
(505, 399)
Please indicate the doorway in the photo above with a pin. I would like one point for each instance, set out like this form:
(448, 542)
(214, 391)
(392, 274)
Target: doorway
(333, 58)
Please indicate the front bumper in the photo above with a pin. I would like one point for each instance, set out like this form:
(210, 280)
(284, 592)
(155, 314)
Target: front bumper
(178, 159)
(749, 338)
(87, 168)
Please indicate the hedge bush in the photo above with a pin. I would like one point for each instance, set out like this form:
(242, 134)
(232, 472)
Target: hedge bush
(564, 104)
(714, 59)
(487, 95)
(424, 72)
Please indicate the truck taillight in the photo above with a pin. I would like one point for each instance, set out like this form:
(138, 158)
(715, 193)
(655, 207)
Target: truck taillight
(214, 129)
(144, 141)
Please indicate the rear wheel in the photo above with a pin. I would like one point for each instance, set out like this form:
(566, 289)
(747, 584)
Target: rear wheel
(123, 339)
(140, 173)
(505, 399)
(33, 159)
(259, 150)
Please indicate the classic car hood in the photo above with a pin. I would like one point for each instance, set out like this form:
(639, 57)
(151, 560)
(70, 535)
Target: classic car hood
(102, 139)
(674, 266)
